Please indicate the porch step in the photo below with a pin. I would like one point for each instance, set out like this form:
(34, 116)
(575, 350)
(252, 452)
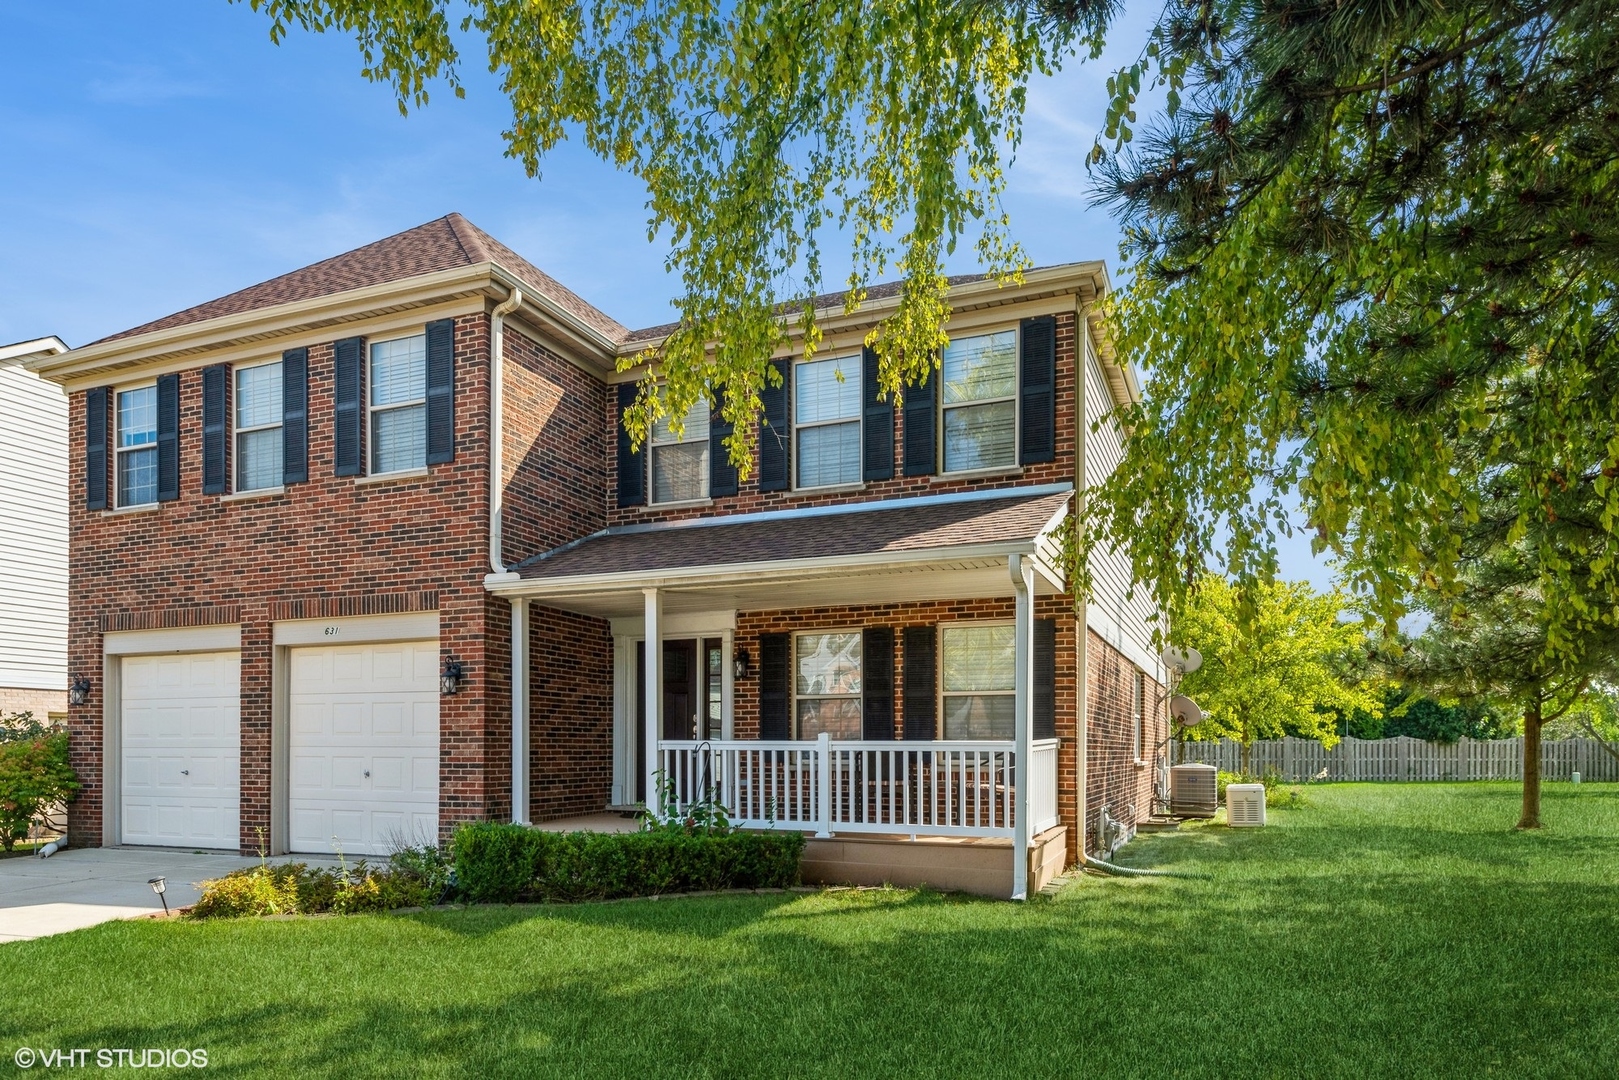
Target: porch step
(1158, 824)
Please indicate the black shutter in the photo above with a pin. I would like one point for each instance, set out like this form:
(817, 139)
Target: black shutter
(920, 440)
(295, 416)
(168, 438)
(96, 403)
(348, 382)
(441, 392)
(877, 683)
(215, 429)
(921, 706)
(722, 478)
(775, 675)
(776, 432)
(631, 463)
(1037, 385)
(1045, 679)
(877, 429)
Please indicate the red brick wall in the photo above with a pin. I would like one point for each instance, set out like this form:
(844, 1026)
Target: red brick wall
(752, 624)
(1114, 778)
(571, 717)
(321, 543)
(749, 498)
(554, 450)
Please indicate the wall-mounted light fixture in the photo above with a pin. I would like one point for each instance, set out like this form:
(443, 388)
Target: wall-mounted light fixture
(741, 667)
(449, 681)
(78, 691)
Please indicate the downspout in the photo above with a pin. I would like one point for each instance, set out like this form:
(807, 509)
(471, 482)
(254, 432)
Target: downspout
(497, 366)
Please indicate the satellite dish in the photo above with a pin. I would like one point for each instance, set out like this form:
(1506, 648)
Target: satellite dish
(1184, 661)
(1185, 711)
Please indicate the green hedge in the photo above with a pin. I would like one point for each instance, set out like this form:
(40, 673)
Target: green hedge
(497, 863)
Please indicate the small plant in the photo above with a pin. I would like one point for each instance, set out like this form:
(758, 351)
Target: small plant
(34, 774)
(705, 815)
(415, 877)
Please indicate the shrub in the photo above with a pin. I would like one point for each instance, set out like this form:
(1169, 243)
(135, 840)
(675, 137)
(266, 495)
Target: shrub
(497, 863)
(299, 889)
(34, 773)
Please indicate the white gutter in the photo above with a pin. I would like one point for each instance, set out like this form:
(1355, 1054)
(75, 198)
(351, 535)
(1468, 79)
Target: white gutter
(497, 365)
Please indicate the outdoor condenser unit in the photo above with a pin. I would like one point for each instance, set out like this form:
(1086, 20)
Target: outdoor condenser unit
(1244, 805)
(1192, 791)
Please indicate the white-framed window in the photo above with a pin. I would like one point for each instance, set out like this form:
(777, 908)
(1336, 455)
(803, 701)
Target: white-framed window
(1141, 714)
(826, 421)
(137, 446)
(680, 463)
(826, 683)
(398, 404)
(980, 379)
(257, 403)
(978, 670)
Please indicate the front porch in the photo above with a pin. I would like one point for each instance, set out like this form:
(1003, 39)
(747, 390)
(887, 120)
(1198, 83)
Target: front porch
(897, 705)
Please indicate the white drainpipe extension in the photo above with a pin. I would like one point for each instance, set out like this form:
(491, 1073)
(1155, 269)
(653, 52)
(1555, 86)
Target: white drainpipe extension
(497, 363)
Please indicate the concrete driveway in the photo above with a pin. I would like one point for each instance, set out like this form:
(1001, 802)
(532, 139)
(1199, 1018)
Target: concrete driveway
(81, 887)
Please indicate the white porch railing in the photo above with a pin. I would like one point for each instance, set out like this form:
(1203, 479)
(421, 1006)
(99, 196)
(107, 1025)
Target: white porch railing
(936, 788)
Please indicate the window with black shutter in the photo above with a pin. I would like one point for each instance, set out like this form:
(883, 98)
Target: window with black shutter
(348, 366)
(440, 391)
(1045, 679)
(168, 438)
(1037, 388)
(722, 475)
(97, 402)
(295, 416)
(877, 433)
(215, 429)
(921, 439)
(775, 432)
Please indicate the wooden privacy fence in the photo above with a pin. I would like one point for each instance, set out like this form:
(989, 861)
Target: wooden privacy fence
(1402, 758)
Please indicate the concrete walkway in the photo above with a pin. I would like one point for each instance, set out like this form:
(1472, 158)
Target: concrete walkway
(81, 887)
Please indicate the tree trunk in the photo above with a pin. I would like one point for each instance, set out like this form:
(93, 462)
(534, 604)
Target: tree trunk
(1246, 757)
(1530, 818)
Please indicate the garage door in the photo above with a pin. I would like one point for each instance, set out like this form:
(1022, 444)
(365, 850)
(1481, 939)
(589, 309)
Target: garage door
(182, 739)
(364, 747)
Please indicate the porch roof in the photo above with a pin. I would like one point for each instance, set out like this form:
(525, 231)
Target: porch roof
(753, 558)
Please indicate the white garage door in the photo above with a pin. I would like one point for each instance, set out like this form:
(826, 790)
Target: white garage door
(364, 747)
(182, 738)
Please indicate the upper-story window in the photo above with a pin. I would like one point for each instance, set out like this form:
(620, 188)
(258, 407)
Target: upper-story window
(258, 427)
(137, 446)
(980, 402)
(826, 406)
(979, 668)
(680, 463)
(398, 404)
(826, 684)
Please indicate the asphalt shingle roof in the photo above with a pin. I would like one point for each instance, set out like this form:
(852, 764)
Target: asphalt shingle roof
(873, 528)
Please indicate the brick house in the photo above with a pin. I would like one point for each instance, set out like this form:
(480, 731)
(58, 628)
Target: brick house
(314, 521)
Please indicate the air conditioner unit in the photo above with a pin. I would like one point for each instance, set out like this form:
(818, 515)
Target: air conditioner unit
(1245, 805)
(1193, 792)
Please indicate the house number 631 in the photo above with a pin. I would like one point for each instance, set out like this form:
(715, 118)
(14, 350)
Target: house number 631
(331, 631)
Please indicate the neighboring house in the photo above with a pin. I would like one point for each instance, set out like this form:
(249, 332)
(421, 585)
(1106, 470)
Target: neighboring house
(301, 568)
(33, 536)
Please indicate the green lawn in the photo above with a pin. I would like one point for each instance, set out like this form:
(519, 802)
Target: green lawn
(1379, 931)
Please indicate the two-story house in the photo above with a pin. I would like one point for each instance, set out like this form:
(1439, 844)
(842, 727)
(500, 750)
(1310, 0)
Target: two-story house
(315, 521)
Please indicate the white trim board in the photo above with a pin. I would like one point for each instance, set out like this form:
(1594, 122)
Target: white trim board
(180, 639)
(358, 629)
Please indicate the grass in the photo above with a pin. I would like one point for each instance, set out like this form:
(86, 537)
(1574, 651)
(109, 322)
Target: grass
(1379, 931)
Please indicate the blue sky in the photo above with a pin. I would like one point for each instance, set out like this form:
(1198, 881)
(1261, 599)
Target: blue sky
(157, 156)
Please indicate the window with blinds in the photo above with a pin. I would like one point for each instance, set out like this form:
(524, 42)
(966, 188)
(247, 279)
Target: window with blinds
(826, 406)
(680, 462)
(980, 383)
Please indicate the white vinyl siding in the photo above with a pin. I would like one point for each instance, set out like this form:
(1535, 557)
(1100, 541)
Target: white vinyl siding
(826, 421)
(257, 402)
(680, 462)
(398, 405)
(980, 379)
(135, 433)
(978, 664)
(33, 532)
(826, 684)
(1110, 566)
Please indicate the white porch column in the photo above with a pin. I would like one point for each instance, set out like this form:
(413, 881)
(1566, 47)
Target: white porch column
(1022, 571)
(520, 676)
(654, 691)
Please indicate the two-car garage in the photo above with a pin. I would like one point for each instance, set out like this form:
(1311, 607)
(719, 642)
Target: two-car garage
(354, 749)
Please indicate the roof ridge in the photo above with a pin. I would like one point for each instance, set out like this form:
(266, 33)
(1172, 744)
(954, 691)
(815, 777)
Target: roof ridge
(468, 236)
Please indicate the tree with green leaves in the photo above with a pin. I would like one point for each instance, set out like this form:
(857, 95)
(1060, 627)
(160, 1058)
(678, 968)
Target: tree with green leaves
(1289, 669)
(756, 127)
(34, 774)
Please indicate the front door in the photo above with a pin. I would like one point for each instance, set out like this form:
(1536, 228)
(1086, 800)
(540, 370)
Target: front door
(681, 700)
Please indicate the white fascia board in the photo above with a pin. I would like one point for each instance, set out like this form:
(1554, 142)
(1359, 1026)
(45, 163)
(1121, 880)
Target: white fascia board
(774, 570)
(33, 352)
